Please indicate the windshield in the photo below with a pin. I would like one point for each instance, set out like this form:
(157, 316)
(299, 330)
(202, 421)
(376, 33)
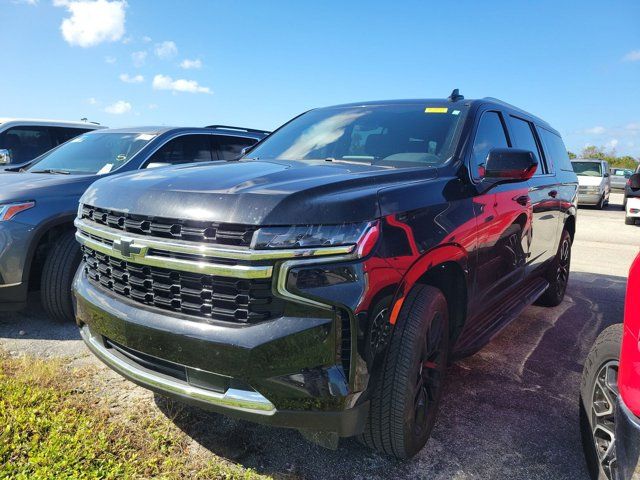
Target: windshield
(92, 153)
(387, 135)
(588, 169)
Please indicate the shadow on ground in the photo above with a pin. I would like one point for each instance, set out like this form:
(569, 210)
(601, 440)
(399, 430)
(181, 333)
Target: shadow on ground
(510, 411)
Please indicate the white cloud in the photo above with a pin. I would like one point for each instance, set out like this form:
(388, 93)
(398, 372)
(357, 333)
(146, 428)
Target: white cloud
(166, 50)
(153, 106)
(126, 78)
(118, 108)
(191, 64)
(146, 39)
(632, 56)
(110, 60)
(612, 143)
(598, 130)
(138, 58)
(92, 21)
(27, 2)
(163, 82)
(633, 127)
(127, 40)
(92, 101)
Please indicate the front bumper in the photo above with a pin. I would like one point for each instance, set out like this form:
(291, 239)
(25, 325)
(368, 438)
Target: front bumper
(281, 372)
(15, 240)
(627, 442)
(589, 198)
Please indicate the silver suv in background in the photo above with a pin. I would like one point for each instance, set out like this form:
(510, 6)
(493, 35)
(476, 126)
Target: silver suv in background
(620, 177)
(594, 180)
(22, 140)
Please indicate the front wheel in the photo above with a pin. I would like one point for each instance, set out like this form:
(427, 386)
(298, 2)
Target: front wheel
(558, 274)
(57, 275)
(598, 395)
(407, 393)
(629, 220)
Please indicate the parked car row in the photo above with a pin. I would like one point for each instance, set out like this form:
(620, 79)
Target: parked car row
(39, 200)
(324, 280)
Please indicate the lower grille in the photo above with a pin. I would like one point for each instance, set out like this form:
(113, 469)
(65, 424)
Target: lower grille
(206, 297)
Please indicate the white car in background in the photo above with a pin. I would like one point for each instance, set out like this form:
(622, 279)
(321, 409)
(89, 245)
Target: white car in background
(22, 139)
(594, 181)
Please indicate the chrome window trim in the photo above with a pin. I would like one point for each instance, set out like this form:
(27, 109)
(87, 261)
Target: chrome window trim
(235, 399)
(205, 250)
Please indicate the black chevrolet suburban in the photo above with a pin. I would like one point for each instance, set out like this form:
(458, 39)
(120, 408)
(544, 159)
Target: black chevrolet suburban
(324, 281)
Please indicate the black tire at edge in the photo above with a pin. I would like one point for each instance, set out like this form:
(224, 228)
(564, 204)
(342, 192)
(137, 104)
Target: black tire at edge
(57, 275)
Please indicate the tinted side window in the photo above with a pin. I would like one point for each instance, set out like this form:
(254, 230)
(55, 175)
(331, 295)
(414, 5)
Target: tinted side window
(490, 135)
(26, 143)
(184, 149)
(229, 148)
(523, 138)
(63, 134)
(556, 151)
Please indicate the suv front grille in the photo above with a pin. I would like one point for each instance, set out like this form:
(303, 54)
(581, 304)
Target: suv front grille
(207, 232)
(205, 296)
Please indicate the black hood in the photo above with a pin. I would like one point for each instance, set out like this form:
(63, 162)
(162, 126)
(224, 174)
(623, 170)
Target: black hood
(18, 186)
(254, 192)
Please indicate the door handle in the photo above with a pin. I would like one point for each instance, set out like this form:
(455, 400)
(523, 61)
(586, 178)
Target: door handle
(553, 193)
(523, 200)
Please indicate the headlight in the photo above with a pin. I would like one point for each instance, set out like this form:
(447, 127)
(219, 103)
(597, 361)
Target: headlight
(310, 236)
(10, 210)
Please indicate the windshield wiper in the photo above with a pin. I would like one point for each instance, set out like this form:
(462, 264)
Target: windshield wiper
(52, 171)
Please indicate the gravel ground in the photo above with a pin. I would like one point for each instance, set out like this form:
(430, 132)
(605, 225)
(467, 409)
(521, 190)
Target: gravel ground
(510, 411)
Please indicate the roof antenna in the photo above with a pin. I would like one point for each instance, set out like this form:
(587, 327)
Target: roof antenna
(455, 95)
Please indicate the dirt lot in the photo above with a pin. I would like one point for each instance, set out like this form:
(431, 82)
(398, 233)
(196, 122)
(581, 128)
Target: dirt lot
(510, 411)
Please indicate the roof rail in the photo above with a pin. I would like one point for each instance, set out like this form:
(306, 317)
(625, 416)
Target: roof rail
(241, 129)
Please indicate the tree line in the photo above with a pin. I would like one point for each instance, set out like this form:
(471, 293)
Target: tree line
(610, 156)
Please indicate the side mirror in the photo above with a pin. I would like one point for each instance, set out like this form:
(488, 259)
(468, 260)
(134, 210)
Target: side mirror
(510, 164)
(634, 181)
(5, 156)
(606, 175)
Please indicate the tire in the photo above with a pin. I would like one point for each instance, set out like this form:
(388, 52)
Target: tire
(629, 220)
(558, 274)
(57, 274)
(406, 395)
(602, 365)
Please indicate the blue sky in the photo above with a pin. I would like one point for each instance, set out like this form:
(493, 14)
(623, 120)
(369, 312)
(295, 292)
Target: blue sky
(260, 63)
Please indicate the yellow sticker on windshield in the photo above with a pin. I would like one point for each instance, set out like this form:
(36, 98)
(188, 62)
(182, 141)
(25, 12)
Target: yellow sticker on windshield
(436, 110)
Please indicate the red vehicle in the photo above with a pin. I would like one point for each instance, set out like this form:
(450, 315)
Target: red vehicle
(610, 394)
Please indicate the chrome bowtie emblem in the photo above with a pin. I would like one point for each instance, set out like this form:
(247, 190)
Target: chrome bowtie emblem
(127, 249)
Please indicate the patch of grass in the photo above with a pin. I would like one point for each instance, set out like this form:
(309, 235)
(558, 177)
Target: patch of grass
(50, 427)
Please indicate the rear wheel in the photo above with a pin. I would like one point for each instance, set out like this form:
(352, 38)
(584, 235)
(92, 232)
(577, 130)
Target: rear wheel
(629, 221)
(598, 395)
(409, 387)
(57, 275)
(558, 274)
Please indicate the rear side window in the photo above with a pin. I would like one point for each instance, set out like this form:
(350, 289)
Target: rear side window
(62, 134)
(230, 148)
(26, 143)
(490, 135)
(522, 132)
(555, 149)
(184, 149)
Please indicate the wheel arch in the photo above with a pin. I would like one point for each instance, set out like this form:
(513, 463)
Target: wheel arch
(45, 234)
(445, 268)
